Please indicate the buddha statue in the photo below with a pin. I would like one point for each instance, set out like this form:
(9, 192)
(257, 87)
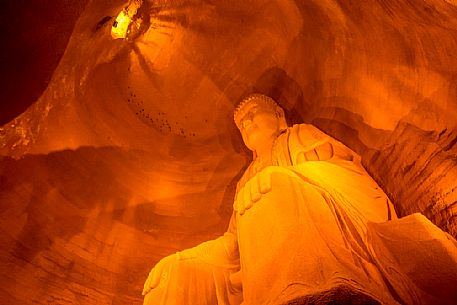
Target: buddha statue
(309, 226)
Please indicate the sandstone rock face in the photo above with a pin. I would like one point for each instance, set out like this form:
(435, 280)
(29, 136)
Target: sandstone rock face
(422, 170)
(131, 153)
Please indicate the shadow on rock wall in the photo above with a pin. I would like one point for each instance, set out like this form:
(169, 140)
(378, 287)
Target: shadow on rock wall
(82, 228)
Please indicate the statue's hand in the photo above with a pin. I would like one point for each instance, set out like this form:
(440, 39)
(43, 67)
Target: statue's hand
(159, 273)
(253, 190)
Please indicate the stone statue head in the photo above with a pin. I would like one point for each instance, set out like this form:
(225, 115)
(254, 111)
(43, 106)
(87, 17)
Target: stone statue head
(259, 119)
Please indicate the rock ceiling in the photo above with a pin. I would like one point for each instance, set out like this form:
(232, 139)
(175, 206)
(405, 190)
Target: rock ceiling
(131, 152)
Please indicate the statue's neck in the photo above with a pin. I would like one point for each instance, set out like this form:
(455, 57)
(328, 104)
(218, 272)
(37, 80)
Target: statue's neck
(264, 154)
(265, 149)
(275, 158)
(266, 158)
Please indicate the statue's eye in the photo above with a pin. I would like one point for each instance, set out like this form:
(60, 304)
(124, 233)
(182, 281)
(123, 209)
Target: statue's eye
(247, 119)
(247, 122)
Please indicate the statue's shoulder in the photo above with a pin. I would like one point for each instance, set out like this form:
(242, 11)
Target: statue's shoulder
(306, 136)
(304, 130)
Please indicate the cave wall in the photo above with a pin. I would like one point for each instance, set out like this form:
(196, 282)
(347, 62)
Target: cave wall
(35, 34)
(131, 154)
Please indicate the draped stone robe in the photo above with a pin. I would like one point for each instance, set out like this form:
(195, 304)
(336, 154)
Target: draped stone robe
(314, 227)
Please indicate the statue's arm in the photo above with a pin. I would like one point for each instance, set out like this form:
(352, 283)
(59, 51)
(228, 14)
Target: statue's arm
(307, 143)
(220, 253)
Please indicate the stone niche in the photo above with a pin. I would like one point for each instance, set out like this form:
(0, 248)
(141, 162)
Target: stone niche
(131, 154)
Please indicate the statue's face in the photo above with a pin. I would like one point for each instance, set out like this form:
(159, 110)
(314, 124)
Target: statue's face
(259, 127)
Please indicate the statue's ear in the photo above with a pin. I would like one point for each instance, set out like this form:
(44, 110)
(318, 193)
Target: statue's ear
(282, 118)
